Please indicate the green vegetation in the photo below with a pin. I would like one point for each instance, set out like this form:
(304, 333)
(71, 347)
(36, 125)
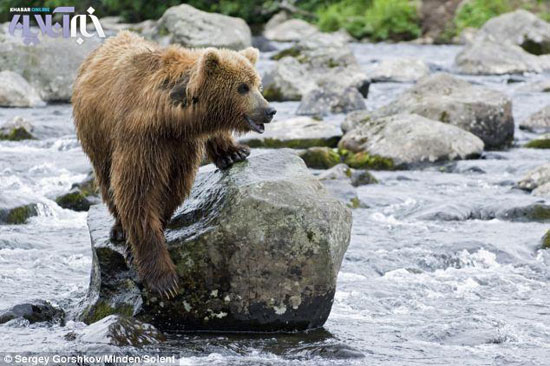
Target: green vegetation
(377, 19)
(18, 215)
(320, 157)
(546, 240)
(363, 160)
(16, 134)
(539, 144)
(476, 12)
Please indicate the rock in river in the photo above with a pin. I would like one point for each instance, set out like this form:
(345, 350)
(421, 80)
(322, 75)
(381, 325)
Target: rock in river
(538, 122)
(290, 30)
(257, 248)
(321, 102)
(35, 311)
(296, 133)
(484, 112)
(190, 27)
(15, 91)
(120, 331)
(408, 139)
(401, 70)
(535, 178)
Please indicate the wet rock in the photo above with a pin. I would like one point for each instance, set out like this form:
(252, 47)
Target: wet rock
(121, 331)
(343, 172)
(402, 70)
(545, 242)
(17, 215)
(191, 27)
(296, 133)
(326, 352)
(35, 311)
(541, 142)
(320, 60)
(321, 102)
(343, 191)
(320, 157)
(532, 212)
(339, 171)
(354, 119)
(16, 130)
(542, 191)
(441, 97)
(520, 28)
(292, 30)
(15, 91)
(408, 139)
(81, 196)
(535, 178)
(538, 122)
(263, 44)
(50, 66)
(486, 57)
(257, 247)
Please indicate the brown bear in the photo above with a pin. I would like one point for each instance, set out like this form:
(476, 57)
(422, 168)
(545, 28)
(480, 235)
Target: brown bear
(145, 116)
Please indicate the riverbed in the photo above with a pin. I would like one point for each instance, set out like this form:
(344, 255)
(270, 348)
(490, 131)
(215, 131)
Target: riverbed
(425, 281)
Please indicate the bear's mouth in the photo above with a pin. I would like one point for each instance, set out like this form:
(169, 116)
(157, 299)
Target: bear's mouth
(254, 126)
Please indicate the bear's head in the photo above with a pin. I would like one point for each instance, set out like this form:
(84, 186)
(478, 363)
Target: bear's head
(227, 87)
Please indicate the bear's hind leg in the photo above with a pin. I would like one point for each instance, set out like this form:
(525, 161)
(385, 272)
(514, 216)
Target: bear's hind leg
(103, 176)
(224, 151)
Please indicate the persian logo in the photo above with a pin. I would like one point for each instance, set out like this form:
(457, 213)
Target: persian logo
(72, 26)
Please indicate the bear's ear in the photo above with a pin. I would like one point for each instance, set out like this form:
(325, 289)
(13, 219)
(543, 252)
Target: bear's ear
(251, 53)
(210, 60)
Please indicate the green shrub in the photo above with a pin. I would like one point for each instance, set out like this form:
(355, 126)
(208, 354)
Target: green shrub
(392, 19)
(346, 14)
(476, 12)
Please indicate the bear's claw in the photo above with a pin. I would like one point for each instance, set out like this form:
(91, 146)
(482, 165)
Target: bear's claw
(165, 285)
(235, 154)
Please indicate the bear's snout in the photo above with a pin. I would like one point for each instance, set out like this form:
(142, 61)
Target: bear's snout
(269, 113)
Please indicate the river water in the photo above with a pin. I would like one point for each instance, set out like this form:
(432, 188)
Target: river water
(421, 282)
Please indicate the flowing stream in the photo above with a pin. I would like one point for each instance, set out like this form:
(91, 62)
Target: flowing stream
(421, 283)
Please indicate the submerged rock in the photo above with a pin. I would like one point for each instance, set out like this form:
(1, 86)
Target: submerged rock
(357, 177)
(402, 70)
(16, 130)
(121, 331)
(35, 311)
(538, 122)
(15, 91)
(17, 215)
(257, 248)
(541, 142)
(320, 157)
(296, 133)
(190, 27)
(535, 178)
(291, 30)
(545, 241)
(81, 196)
(408, 139)
(441, 97)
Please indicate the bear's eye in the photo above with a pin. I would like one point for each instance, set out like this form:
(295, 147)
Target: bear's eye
(243, 88)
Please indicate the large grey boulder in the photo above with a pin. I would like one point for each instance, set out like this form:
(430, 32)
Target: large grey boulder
(487, 57)
(409, 139)
(484, 112)
(320, 60)
(190, 27)
(49, 66)
(535, 178)
(539, 121)
(402, 70)
(257, 248)
(520, 28)
(321, 102)
(296, 133)
(291, 30)
(509, 43)
(15, 91)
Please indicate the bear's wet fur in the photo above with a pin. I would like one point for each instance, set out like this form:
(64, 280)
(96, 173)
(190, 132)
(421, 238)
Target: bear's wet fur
(145, 116)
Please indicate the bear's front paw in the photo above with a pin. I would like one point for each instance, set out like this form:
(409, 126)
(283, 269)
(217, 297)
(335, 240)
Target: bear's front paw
(235, 154)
